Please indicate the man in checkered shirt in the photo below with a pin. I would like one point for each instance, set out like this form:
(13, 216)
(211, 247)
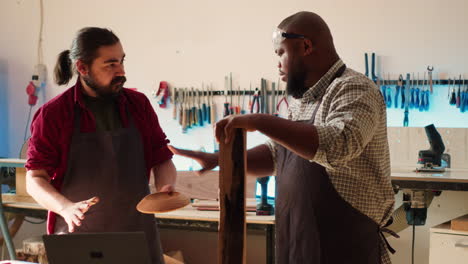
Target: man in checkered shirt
(331, 158)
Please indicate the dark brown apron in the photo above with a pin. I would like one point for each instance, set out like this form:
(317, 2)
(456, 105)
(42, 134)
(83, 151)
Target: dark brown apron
(110, 165)
(314, 224)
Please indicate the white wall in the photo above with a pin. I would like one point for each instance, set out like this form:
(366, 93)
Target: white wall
(190, 42)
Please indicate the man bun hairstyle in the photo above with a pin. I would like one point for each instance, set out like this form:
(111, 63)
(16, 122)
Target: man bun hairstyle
(84, 47)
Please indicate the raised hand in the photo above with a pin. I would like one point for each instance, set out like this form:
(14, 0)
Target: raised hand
(208, 161)
(74, 213)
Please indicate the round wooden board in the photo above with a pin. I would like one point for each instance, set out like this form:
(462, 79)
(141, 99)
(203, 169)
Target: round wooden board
(162, 202)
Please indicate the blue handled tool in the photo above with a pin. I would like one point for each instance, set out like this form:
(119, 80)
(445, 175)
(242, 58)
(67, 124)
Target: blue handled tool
(416, 93)
(397, 92)
(406, 115)
(383, 90)
(200, 111)
(464, 98)
(374, 77)
(204, 105)
(367, 65)
(422, 95)
(403, 91)
(411, 98)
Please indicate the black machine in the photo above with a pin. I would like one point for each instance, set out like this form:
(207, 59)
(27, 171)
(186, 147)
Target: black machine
(263, 207)
(431, 159)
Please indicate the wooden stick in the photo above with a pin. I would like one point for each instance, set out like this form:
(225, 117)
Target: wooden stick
(232, 224)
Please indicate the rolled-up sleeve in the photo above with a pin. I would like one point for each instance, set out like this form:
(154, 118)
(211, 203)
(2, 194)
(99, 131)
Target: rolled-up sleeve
(349, 126)
(43, 149)
(158, 140)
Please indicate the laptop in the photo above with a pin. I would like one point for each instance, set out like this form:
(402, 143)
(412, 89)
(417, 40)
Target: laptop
(97, 248)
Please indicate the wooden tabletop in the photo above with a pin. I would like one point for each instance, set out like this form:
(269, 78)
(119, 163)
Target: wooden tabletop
(12, 162)
(191, 213)
(186, 213)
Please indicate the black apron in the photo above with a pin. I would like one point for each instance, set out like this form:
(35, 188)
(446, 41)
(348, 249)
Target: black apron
(110, 165)
(314, 224)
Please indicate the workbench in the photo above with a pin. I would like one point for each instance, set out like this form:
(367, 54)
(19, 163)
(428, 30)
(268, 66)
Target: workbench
(192, 219)
(189, 218)
(450, 180)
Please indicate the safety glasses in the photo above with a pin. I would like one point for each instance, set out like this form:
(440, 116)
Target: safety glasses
(279, 36)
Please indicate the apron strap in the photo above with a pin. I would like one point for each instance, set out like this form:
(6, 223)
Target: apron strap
(383, 230)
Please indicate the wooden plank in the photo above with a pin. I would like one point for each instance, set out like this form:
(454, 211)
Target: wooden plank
(206, 186)
(232, 226)
(8, 199)
(21, 182)
(460, 223)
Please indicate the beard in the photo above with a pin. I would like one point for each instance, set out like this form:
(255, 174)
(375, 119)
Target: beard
(296, 80)
(105, 91)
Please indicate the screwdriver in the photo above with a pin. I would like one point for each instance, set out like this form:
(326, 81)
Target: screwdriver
(237, 109)
(226, 103)
(205, 109)
(200, 110)
(231, 107)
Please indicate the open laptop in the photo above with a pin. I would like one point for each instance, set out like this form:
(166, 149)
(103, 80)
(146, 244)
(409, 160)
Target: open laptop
(97, 248)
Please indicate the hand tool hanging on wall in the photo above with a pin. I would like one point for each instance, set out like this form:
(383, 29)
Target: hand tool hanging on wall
(264, 97)
(277, 96)
(397, 92)
(374, 77)
(163, 94)
(383, 89)
(226, 103)
(388, 93)
(464, 98)
(457, 100)
(426, 92)
(231, 107)
(403, 90)
(416, 94)
(211, 108)
(407, 90)
(411, 100)
(193, 120)
(181, 105)
(284, 99)
(422, 97)
(256, 102)
(243, 103)
(185, 112)
(204, 106)
(200, 111)
(250, 97)
(174, 103)
(237, 108)
(453, 96)
(189, 108)
(366, 63)
(429, 70)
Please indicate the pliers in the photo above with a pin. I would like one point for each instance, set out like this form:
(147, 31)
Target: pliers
(255, 101)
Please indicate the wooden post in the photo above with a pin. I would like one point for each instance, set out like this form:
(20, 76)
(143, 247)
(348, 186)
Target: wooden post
(232, 224)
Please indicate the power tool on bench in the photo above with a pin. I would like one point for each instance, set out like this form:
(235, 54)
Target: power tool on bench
(430, 160)
(263, 207)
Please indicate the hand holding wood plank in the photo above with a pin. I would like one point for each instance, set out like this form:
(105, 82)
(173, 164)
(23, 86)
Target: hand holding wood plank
(232, 224)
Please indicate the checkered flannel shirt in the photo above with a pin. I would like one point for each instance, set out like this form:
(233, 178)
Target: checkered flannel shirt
(353, 147)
